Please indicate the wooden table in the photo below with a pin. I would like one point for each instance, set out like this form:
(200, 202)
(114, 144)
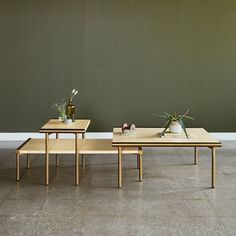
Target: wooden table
(79, 126)
(149, 137)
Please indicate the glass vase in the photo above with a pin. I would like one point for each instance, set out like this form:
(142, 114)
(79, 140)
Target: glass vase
(70, 110)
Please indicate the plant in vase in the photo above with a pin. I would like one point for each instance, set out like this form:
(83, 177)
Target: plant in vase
(70, 108)
(60, 107)
(175, 122)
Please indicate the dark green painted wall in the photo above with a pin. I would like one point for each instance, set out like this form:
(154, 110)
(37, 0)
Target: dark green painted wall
(127, 58)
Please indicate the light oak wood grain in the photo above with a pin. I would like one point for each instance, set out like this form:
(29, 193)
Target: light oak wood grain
(56, 126)
(67, 146)
(150, 137)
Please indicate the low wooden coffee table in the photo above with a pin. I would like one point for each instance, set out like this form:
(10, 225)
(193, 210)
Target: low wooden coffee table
(149, 137)
(79, 126)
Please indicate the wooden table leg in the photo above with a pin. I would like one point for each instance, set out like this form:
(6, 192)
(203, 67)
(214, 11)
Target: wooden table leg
(28, 161)
(140, 165)
(76, 161)
(17, 167)
(119, 167)
(82, 156)
(213, 167)
(57, 157)
(46, 160)
(195, 155)
(138, 161)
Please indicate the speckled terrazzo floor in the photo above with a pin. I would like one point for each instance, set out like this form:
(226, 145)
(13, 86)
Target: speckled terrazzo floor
(174, 198)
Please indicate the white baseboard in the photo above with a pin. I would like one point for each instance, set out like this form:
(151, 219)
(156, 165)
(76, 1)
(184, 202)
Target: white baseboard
(98, 135)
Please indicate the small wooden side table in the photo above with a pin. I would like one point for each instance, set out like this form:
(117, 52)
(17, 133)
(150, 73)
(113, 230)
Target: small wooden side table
(79, 126)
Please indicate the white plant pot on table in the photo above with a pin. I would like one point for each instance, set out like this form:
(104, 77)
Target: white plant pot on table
(68, 121)
(175, 127)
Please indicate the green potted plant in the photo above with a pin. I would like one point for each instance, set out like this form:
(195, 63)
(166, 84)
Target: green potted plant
(175, 122)
(60, 107)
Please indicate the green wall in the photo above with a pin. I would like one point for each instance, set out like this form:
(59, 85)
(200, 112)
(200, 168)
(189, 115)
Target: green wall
(127, 58)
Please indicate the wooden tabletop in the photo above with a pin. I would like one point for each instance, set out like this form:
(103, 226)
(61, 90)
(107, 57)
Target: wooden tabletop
(56, 126)
(151, 137)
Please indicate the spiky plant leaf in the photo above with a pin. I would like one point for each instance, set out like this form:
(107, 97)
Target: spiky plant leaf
(186, 112)
(183, 127)
(167, 124)
(164, 116)
(189, 117)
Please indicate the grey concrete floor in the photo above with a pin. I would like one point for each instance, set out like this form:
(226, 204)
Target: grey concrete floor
(174, 198)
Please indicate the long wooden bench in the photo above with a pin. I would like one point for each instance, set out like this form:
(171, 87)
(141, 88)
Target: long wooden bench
(67, 146)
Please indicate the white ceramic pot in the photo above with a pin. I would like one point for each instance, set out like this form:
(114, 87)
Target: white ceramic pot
(68, 121)
(175, 127)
